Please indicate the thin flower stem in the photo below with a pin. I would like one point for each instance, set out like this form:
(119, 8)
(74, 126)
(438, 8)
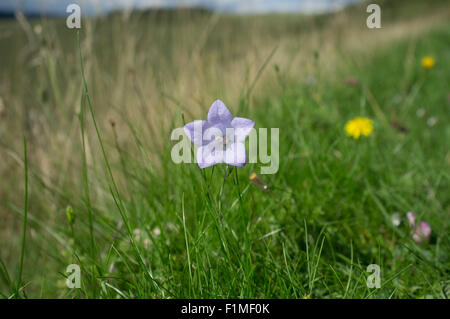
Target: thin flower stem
(215, 211)
(86, 188)
(221, 190)
(212, 174)
(238, 188)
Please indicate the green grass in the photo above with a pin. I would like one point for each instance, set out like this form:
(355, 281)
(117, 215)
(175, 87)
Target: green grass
(145, 227)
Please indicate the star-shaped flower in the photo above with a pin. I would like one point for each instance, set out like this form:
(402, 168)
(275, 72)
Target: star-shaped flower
(220, 138)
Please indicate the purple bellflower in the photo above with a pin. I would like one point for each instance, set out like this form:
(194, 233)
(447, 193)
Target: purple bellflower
(220, 138)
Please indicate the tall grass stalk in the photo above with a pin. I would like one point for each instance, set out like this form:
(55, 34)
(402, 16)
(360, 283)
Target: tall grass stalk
(25, 218)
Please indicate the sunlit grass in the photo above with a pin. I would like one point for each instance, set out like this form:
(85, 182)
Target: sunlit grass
(144, 227)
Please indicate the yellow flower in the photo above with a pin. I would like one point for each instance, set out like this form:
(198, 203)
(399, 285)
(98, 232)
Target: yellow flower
(428, 62)
(359, 126)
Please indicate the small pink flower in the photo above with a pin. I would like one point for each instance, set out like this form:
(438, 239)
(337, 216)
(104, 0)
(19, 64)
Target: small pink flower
(422, 233)
(419, 233)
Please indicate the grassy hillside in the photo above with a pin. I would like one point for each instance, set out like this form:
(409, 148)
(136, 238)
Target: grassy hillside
(146, 227)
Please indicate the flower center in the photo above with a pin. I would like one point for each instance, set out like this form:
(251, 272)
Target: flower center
(224, 140)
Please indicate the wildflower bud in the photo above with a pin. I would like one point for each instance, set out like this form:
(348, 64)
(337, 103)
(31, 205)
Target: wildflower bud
(256, 180)
(70, 215)
(411, 219)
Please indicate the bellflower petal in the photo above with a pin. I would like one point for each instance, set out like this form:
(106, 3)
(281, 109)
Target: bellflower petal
(235, 154)
(219, 114)
(195, 130)
(209, 155)
(242, 127)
